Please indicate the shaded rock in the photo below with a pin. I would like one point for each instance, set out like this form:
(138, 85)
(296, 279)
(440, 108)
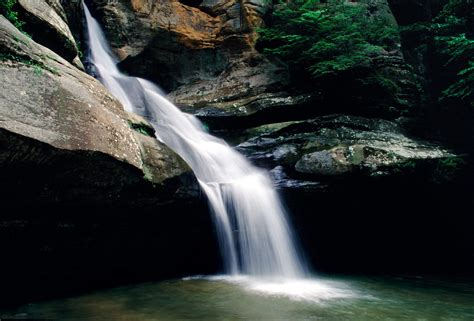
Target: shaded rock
(281, 180)
(242, 107)
(75, 20)
(85, 221)
(411, 11)
(46, 21)
(336, 145)
(328, 162)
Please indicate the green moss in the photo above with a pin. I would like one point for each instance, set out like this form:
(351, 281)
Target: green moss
(38, 67)
(409, 164)
(38, 70)
(80, 51)
(26, 43)
(453, 162)
(355, 155)
(7, 10)
(142, 128)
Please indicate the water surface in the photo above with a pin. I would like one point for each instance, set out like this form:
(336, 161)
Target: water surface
(224, 298)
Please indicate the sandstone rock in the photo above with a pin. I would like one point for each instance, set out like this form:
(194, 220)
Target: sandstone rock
(155, 155)
(67, 114)
(202, 54)
(46, 21)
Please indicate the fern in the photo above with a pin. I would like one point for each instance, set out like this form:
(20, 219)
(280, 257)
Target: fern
(6, 9)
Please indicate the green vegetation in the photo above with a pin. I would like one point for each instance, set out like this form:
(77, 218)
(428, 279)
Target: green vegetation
(7, 10)
(80, 51)
(326, 39)
(453, 162)
(38, 67)
(329, 45)
(450, 37)
(142, 128)
(454, 35)
(326, 42)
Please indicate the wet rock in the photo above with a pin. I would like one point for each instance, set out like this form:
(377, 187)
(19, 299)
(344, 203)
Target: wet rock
(281, 180)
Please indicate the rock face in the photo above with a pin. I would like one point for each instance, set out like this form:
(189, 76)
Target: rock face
(45, 98)
(367, 196)
(46, 21)
(411, 11)
(202, 52)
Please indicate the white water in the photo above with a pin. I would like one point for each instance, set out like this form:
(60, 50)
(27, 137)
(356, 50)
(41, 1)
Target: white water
(254, 235)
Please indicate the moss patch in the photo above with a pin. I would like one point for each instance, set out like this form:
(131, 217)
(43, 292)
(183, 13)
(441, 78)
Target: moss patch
(142, 128)
(37, 66)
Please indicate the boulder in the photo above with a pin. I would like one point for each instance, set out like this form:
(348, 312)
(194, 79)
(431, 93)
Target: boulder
(46, 22)
(56, 108)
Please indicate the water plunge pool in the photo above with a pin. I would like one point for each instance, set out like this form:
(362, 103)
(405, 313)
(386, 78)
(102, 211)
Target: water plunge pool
(242, 298)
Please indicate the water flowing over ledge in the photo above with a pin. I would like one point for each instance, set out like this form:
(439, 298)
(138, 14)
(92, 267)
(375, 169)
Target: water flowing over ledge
(253, 231)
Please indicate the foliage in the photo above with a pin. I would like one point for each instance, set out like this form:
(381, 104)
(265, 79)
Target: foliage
(80, 51)
(452, 162)
(6, 9)
(451, 27)
(326, 39)
(454, 39)
(459, 49)
(38, 67)
(142, 128)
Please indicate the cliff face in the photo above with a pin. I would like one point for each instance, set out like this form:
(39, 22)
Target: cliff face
(175, 44)
(203, 54)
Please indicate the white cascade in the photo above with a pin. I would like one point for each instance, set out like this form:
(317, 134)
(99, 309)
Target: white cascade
(254, 235)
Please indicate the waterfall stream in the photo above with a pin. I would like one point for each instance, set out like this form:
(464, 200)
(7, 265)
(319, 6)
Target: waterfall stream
(254, 234)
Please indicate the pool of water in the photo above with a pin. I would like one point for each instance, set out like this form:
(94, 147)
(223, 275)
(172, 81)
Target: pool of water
(242, 298)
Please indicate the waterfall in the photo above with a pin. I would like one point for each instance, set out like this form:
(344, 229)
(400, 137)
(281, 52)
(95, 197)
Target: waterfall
(254, 235)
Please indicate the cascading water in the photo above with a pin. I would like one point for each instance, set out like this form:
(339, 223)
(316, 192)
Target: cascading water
(254, 235)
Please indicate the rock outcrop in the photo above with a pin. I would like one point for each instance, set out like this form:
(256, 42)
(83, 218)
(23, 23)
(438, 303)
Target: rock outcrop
(330, 146)
(46, 22)
(202, 52)
(46, 99)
